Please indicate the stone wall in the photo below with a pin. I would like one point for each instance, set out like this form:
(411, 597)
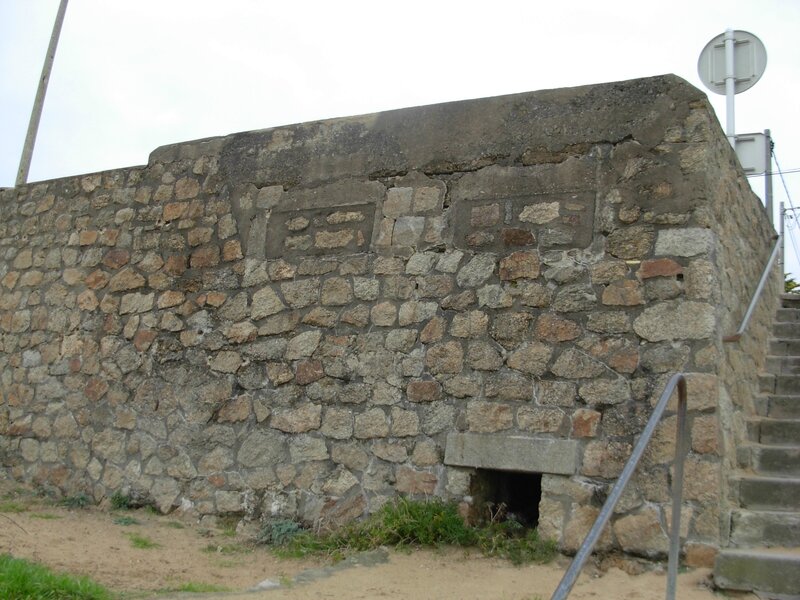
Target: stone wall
(307, 321)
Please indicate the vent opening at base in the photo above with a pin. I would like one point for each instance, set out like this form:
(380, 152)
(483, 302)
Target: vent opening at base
(503, 495)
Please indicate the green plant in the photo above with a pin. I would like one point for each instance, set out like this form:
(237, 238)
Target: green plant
(44, 516)
(226, 549)
(513, 542)
(194, 587)
(12, 507)
(399, 524)
(277, 532)
(80, 500)
(142, 542)
(789, 284)
(125, 521)
(410, 523)
(16, 493)
(120, 501)
(23, 580)
(175, 525)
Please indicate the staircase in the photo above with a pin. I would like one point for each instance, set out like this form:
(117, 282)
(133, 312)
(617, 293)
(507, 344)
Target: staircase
(764, 552)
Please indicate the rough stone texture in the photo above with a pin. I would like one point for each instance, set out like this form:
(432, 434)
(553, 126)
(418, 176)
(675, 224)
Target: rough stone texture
(477, 270)
(531, 358)
(642, 534)
(676, 320)
(311, 317)
(631, 242)
(684, 242)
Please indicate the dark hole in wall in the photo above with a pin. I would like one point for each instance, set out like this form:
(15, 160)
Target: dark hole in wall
(503, 495)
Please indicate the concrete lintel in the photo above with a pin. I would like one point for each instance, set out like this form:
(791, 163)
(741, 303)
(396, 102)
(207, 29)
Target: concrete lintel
(512, 453)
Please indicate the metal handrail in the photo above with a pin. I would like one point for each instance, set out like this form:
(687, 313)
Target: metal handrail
(678, 380)
(757, 294)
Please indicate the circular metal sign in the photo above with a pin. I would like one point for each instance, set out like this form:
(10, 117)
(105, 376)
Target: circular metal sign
(750, 61)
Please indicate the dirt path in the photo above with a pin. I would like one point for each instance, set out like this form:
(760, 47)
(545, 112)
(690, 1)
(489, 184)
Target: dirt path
(99, 544)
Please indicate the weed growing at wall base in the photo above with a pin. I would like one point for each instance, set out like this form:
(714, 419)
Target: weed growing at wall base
(412, 523)
(77, 501)
(23, 580)
(120, 501)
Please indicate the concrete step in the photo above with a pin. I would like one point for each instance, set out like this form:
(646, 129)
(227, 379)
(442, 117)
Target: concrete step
(787, 315)
(785, 385)
(790, 300)
(768, 570)
(765, 528)
(777, 406)
(776, 432)
(784, 347)
(757, 492)
(789, 330)
(770, 461)
(783, 365)
(776, 461)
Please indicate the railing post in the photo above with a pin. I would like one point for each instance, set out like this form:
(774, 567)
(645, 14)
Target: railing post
(570, 577)
(776, 251)
(681, 439)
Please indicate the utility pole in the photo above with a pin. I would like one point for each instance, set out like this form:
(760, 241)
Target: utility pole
(768, 175)
(38, 103)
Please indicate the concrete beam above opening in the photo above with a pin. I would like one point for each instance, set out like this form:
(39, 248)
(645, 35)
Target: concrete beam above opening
(512, 453)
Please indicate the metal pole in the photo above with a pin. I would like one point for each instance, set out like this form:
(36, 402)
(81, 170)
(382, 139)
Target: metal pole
(681, 439)
(768, 177)
(571, 576)
(782, 223)
(730, 87)
(38, 103)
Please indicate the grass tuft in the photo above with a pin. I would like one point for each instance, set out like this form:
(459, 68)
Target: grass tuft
(77, 501)
(400, 524)
(120, 501)
(24, 580)
(226, 549)
(142, 542)
(44, 516)
(277, 532)
(125, 521)
(513, 542)
(12, 507)
(409, 523)
(193, 587)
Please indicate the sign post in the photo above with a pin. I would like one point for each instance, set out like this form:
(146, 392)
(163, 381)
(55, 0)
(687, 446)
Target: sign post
(730, 64)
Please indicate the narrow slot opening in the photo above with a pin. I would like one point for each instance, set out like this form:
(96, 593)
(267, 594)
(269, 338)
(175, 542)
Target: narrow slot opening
(503, 495)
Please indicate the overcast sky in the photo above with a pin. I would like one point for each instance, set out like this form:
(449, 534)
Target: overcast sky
(130, 76)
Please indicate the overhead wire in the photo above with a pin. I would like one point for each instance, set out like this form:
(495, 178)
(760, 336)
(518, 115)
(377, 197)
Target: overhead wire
(786, 172)
(791, 220)
(790, 228)
(783, 181)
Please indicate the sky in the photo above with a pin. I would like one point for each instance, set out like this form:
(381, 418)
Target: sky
(130, 76)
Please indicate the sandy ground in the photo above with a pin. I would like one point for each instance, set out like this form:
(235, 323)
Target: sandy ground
(89, 542)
